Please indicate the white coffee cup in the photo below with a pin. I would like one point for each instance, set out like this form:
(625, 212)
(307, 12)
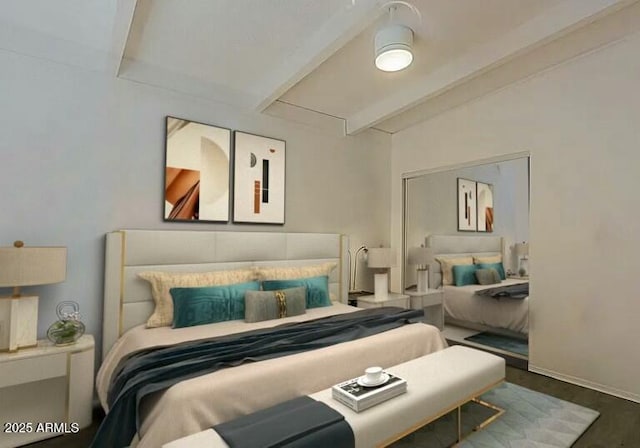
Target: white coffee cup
(373, 375)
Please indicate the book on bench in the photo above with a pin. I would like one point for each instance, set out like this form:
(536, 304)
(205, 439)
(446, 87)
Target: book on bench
(359, 398)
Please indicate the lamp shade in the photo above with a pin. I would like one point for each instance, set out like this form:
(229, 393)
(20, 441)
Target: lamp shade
(24, 266)
(382, 257)
(420, 256)
(522, 249)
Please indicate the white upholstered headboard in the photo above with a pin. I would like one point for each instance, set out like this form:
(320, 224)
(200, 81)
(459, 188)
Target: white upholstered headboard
(127, 298)
(459, 245)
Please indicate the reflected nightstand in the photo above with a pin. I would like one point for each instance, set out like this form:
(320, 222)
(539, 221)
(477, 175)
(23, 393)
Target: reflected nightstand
(431, 301)
(518, 277)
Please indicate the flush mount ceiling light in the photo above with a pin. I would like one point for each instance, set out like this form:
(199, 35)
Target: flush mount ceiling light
(393, 42)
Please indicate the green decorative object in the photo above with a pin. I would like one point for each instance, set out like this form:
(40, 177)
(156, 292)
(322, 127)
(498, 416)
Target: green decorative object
(68, 329)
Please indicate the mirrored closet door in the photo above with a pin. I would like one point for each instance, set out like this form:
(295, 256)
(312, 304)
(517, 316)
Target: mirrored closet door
(466, 231)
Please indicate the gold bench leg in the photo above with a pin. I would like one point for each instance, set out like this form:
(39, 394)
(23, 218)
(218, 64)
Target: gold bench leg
(482, 425)
(459, 424)
(491, 419)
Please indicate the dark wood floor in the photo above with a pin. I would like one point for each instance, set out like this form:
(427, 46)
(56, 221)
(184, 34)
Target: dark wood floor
(617, 426)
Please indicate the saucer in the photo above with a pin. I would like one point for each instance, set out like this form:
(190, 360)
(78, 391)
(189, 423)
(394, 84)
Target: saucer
(362, 381)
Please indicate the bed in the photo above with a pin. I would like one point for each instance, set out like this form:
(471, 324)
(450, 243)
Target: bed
(201, 402)
(462, 306)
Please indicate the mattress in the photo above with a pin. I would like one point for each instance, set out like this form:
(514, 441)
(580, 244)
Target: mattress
(199, 403)
(461, 303)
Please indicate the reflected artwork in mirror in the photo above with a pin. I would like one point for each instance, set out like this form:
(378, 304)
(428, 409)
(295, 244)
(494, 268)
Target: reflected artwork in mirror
(479, 228)
(497, 203)
(484, 202)
(467, 214)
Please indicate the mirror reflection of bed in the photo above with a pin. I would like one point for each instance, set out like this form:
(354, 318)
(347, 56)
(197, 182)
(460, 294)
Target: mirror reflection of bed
(492, 316)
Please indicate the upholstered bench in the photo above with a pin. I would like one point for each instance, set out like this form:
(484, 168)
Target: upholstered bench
(436, 384)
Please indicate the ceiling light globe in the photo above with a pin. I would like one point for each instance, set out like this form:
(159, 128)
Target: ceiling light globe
(393, 48)
(394, 60)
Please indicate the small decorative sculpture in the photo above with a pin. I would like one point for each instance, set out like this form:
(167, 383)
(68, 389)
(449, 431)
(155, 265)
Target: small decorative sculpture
(68, 329)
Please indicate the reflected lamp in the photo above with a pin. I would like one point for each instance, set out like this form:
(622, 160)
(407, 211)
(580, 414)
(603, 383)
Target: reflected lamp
(522, 251)
(421, 257)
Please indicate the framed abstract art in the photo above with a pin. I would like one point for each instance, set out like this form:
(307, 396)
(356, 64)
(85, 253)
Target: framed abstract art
(259, 179)
(467, 214)
(197, 167)
(484, 203)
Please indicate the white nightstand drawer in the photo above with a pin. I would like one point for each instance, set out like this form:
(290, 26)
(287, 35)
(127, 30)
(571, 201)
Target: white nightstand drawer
(432, 299)
(28, 370)
(401, 303)
(392, 299)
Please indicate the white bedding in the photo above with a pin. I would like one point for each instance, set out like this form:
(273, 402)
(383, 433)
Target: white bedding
(199, 403)
(461, 303)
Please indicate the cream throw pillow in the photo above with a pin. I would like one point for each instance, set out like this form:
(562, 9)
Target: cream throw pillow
(487, 259)
(290, 273)
(162, 282)
(447, 264)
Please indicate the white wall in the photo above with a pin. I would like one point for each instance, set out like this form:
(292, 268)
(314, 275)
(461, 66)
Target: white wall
(579, 121)
(82, 154)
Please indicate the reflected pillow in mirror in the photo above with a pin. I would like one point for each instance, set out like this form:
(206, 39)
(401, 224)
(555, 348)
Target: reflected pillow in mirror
(487, 276)
(487, 259)
(497, 266)
(446, 265)
(465, 274)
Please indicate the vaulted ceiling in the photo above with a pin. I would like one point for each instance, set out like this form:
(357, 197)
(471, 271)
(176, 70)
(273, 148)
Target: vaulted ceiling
(305, 60)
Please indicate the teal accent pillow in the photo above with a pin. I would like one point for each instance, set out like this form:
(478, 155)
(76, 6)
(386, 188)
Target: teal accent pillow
(208, 304)
(317, 289)
(464, 274)
(497, 266)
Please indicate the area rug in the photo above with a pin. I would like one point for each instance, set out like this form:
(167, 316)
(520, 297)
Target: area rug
(505, 343)
(531, 420)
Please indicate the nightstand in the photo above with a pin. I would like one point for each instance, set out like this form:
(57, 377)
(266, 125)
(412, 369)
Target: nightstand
(518, 277)
(44, 385)
(431, 301)
(394, 299)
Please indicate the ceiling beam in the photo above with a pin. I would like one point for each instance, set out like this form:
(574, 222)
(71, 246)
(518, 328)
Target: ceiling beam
(122, 22)
(317, 48)
(555, 22)
(175, 81)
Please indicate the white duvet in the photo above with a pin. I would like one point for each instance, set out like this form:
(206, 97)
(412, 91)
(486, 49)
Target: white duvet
(461, 302)
(199, 403)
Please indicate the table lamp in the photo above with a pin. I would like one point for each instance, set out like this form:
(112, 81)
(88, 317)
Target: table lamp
(522, 251)
(381, 259)
(26, 266)
(421, 257)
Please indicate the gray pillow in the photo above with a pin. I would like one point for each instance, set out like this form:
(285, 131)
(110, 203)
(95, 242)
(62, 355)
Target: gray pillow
(266, 305)
(488, 276)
